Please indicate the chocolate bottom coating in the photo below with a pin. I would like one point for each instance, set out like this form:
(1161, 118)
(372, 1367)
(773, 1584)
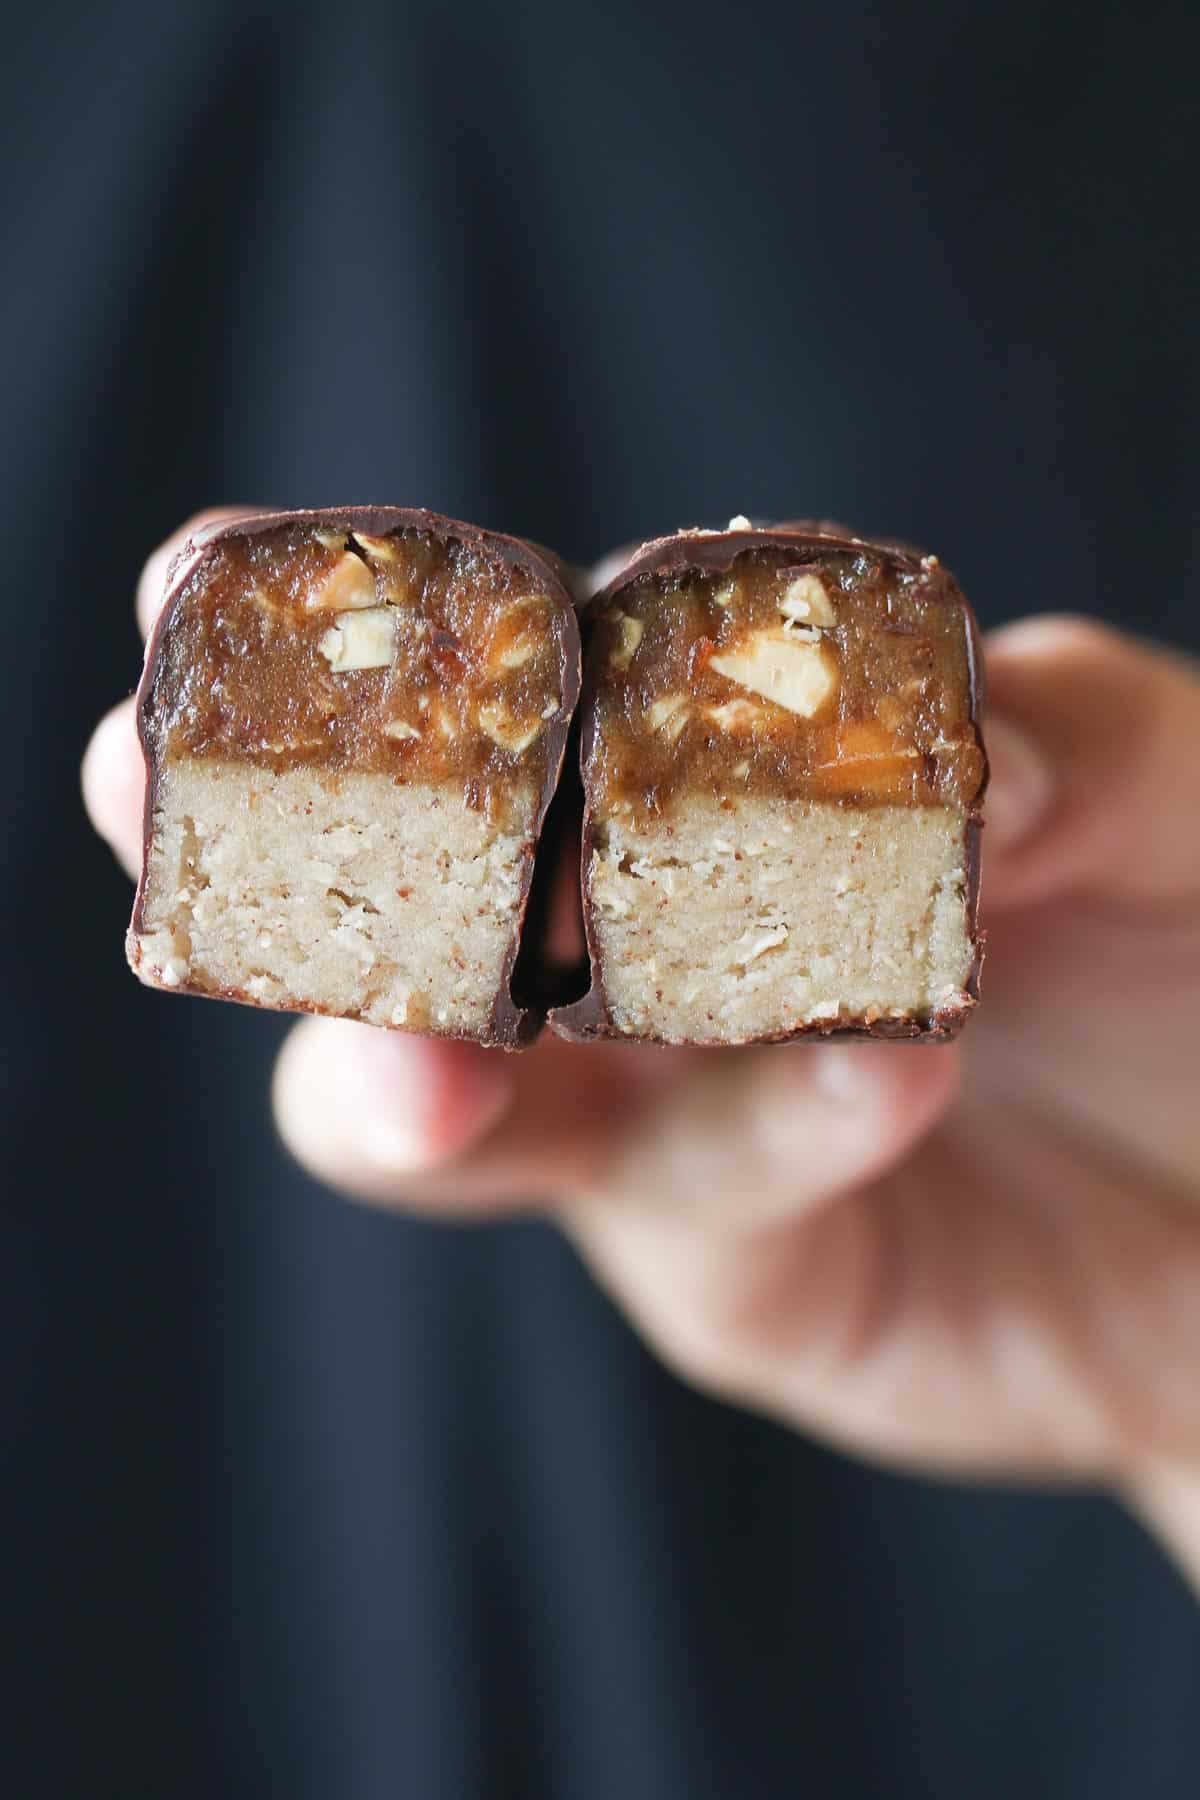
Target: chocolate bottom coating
(353, 723)
(782, 774)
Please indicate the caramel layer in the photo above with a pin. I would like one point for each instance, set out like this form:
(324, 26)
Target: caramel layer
(411, 655)
(840, 677)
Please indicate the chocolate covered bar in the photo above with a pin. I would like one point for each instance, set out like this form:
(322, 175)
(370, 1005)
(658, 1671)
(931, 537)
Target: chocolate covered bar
(353, 721)
(782, 773)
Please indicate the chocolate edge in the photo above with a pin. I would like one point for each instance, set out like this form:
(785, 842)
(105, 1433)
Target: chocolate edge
(511, 1026)
(589, 1017)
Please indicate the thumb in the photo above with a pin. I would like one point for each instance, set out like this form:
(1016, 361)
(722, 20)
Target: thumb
(1094, 739)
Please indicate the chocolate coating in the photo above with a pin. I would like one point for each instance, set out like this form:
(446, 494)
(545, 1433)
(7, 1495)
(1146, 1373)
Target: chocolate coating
(715, 552)
(510, 1024)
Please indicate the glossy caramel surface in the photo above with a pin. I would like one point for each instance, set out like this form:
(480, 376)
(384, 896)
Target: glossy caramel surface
(887, 676)
(467, 677)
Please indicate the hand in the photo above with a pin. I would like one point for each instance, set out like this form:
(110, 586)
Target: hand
(982, 1256)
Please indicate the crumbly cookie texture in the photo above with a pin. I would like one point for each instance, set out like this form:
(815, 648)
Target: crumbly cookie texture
(346, 895)
(766, 916)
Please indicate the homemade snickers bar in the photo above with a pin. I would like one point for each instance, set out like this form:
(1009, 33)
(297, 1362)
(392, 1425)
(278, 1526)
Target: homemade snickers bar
(782, 775)
(353, 722)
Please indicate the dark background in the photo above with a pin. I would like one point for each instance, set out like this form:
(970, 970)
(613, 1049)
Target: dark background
(299, 1500)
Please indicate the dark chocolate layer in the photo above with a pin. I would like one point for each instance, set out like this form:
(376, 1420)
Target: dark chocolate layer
(715, 553)
(510, 1023)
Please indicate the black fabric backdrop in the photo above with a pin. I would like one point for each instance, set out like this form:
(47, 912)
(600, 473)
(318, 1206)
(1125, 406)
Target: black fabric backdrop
(304, 1501)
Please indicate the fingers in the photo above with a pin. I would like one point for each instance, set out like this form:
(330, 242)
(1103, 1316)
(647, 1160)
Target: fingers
(745, 1137)
(698, 1185)
(1020, 789)
(369, 1110)
(114, 779)
(152, 582)
(720, 1235)
(692, 1136)
(1090, 890)
(1167, 1498)
(1094, 739)
(446, 1126)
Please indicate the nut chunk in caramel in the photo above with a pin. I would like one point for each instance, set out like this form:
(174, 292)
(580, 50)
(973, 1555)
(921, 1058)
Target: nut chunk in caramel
(782, 773)
(353, 723)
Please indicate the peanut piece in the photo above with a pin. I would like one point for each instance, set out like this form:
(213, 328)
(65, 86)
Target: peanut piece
(512, 734)
(379, 549)
(361, 640)
(735, 715)
(351, 584)
(669, 714)
(806, 599)
(628, 636)
(794, 675)
(514, 641)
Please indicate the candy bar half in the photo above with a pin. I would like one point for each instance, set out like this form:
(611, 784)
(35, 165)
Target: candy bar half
(782, 771)
(353, 722)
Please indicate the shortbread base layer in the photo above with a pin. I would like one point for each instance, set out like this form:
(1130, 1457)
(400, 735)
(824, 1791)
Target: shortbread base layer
(754, 919)
(345, 894)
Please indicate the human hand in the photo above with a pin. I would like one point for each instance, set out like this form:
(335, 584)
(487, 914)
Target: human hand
(981, 1257)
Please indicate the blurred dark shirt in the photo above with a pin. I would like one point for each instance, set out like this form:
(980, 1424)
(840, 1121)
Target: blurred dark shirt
(300, 1500)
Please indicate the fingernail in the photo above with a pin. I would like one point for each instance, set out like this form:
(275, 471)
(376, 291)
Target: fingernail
(1020, 786)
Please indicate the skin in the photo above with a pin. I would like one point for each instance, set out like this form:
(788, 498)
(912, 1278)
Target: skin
(981, 1257)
